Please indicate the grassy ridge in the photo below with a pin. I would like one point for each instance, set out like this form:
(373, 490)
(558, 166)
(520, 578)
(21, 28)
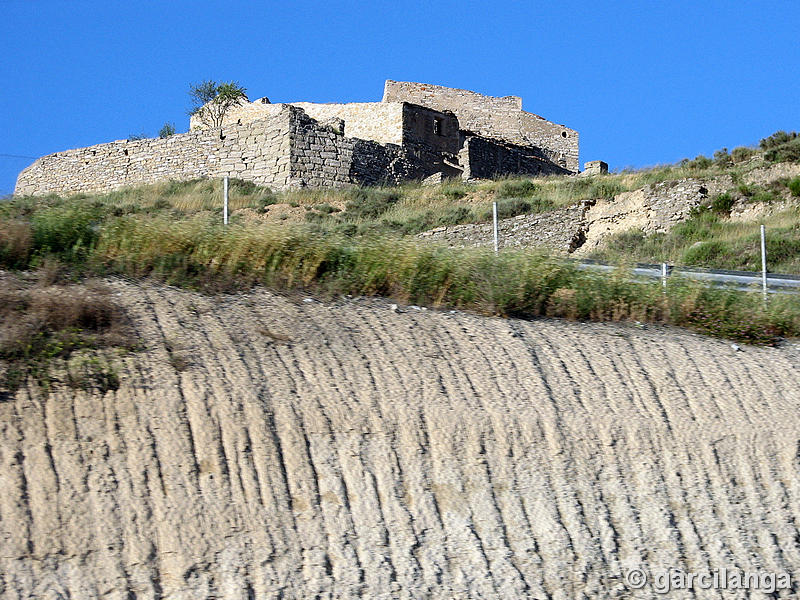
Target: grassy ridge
(198, 252)
(350, 242)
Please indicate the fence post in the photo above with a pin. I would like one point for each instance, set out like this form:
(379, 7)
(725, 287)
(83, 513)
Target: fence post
(225, 201)
(764, 264)
(664, 277)
(494, 222)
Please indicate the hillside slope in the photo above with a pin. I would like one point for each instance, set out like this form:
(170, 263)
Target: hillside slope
(262, 447)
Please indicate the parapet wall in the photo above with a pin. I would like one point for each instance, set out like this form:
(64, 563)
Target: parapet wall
(285, 149)
(258, 152)
(483, 158)
(500, 118)
(376, 121)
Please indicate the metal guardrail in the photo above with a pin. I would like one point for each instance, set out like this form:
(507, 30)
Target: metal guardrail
(769, 283)
(777, 283)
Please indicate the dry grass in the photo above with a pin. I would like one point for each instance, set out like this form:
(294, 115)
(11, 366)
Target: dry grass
(16, 243)
(41, 322)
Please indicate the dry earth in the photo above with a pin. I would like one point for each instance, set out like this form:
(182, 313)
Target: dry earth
(343, 450)
(585, 226)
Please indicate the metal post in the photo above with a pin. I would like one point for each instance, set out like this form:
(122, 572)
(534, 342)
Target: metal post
(764, 264)
(664, 277)
(494, 221)
(225, 200)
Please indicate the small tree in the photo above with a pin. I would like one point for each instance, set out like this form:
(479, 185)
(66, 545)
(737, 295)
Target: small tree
(167, 130)
(212, 100)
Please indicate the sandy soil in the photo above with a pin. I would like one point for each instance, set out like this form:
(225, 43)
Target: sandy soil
(343, 450)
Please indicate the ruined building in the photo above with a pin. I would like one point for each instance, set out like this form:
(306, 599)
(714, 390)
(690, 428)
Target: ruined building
(417, 131)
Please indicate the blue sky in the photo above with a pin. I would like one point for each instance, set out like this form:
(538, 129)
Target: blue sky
(643, 82)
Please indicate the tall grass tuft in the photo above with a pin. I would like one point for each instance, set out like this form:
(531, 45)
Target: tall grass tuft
(513, 283)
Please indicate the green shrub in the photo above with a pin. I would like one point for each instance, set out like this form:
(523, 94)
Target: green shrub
(512, 207)
(788, 152)
(265, 202)
(722, 204)
(166, 130)
(782, 244)
(741, 154)
(326, 209)
(315, 217)
(40, 324)
(704, 253)
(778, 138)
(243, 187)
(794, 186)
(516, 189)
(626, 240)
(453, 215)
(454, 191)
(699, 163)
(67, 230)
(722, 158)
(764, 196)
(369, 203)
(346, 229)
(746, 190)
(698, 227)
(605, 189)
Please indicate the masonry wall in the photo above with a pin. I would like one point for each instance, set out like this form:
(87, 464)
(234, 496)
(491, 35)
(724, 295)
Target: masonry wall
(483, 158)
(501, 118)
(322, 157)
(377, 121)
(242, 114)
(258, 152)
(430, 128)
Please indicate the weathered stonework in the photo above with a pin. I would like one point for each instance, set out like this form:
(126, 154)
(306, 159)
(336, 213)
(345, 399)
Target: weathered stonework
(594, 167)
(500, 118)
(418, 131)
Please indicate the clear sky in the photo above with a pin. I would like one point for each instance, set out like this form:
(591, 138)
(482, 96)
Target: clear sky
(643, 82)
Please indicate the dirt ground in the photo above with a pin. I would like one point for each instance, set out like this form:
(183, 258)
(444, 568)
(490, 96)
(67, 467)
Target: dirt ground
(284, 448)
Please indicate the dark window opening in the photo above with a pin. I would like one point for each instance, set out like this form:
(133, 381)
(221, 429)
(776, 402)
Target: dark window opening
(563, 134)
(126, 152)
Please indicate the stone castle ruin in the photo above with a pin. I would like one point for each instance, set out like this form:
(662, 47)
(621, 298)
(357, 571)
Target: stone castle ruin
(418, 131)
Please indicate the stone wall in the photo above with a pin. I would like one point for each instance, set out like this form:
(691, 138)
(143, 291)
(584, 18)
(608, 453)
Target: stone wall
(377, 121)
(500, 118)
(374, 121)
(258, 152)
(559, 230)
(417, 131)
(482, 158)
(322, 157)
(286, 149)
(242, 114)
(431, 129)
